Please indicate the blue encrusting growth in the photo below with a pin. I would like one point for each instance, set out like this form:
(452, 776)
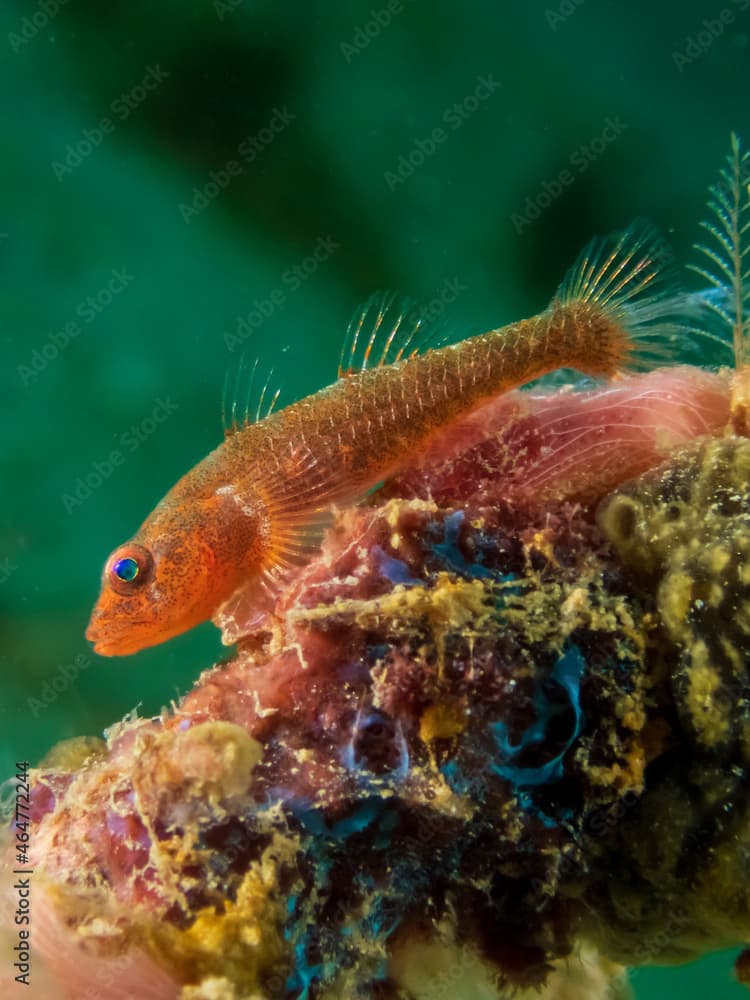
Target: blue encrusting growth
(449, 549)
(358, 820)
(394, 570)
(380, 912)
(568, 672)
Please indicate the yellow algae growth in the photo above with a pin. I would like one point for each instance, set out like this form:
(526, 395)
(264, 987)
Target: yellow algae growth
(239, 941)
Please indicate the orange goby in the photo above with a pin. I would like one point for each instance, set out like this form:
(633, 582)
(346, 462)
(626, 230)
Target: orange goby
(234, 527)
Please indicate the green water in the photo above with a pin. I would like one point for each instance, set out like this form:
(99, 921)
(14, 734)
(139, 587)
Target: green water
(175, 173)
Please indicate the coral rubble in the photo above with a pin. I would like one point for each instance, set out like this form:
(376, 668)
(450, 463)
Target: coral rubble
(486, 727)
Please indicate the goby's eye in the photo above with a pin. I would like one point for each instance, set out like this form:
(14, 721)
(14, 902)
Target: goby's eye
(126, 569)
(129, 567)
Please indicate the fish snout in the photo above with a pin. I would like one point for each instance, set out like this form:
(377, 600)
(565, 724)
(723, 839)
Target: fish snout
(115, 636)
(97, 631)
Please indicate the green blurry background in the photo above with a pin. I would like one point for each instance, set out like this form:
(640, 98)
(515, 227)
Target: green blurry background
(318, 123)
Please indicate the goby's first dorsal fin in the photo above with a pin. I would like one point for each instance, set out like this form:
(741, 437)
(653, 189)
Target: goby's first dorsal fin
(249, 405)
